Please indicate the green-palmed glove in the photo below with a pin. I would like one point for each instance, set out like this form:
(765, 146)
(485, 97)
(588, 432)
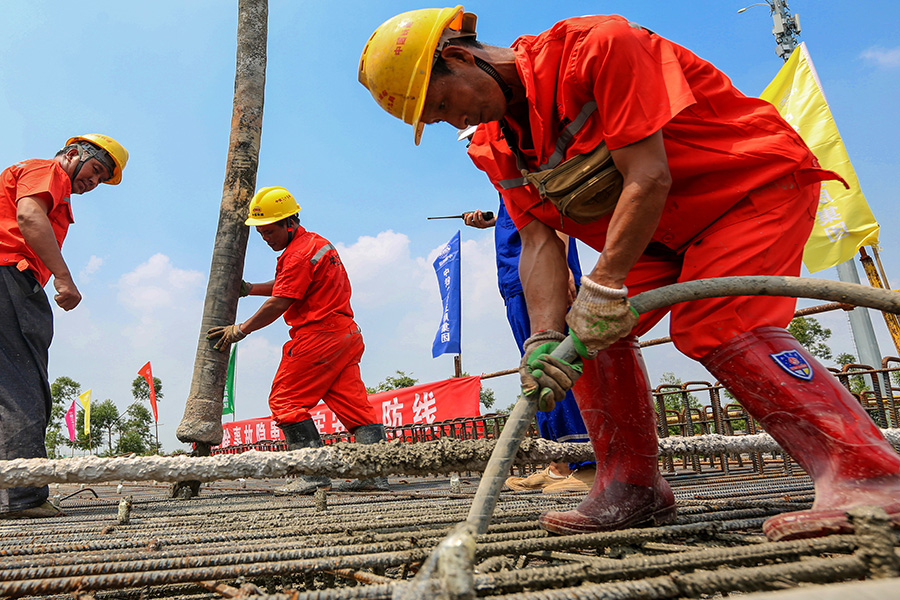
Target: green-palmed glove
(246, 286)
(599, 317)
(546, 378)
(225, 335)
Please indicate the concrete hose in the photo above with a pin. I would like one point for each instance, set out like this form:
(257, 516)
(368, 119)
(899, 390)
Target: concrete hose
(797, 287)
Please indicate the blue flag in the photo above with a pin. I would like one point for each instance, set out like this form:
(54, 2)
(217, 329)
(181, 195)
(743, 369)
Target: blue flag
(446, 267)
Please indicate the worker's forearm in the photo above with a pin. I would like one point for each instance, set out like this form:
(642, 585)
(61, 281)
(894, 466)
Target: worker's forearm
(630, 230)
(267, 314)
(645, 188)
(38, 234)
(261, 289)
(544, 274)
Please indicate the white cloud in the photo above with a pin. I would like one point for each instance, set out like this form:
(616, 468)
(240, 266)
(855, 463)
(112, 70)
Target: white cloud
(93, 265)
(883, 57)
(156, 284)
(381, 269)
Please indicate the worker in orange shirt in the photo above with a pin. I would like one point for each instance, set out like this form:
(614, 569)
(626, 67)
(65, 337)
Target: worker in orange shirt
(321, 360)
(35, 214)
(712, 183)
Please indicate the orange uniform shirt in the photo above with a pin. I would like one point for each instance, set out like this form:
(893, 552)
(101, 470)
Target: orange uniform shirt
(602, 78)
(310, 271)
(33, 177)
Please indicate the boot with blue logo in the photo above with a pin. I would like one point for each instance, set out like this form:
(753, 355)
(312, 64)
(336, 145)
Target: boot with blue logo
(818, 422)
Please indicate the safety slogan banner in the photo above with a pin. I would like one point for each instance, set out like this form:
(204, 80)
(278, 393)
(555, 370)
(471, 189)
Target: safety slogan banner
(423, 403)
(844, 222)
(446, 267)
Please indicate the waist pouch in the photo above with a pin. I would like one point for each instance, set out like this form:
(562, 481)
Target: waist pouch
(582, 188)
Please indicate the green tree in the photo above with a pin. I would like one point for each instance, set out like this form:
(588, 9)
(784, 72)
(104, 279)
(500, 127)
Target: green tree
(486, 397)
(811, 335)
(857, 383)
(104, 416)
(677, 400)
(141, 391)
(134, 431)
(402, 380)
(62, 392)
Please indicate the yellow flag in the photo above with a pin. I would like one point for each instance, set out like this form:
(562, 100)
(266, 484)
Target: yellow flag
(844, 222)
(85, 399)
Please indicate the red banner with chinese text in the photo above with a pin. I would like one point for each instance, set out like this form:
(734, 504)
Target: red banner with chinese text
(424, 403)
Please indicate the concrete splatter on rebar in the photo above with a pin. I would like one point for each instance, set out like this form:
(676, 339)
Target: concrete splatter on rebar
(349, 460)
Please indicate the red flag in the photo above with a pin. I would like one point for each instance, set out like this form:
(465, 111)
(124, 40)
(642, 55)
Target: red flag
(148, 375)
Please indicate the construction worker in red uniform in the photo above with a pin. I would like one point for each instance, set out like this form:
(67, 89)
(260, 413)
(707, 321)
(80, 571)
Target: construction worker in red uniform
(35, 214)
(321, 360)
(714, 183)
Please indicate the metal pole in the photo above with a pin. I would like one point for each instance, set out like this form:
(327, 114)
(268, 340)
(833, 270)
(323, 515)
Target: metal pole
(860, 322)
(786, 28)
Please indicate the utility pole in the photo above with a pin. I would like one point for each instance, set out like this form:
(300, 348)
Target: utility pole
(786, 28)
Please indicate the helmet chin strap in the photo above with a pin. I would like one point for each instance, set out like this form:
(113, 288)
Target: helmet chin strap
(85, 154)
(291, 228)
(490, 70)
(81, 161)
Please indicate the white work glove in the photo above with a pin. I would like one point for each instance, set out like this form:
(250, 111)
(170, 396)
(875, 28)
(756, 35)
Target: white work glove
(546, 378)
(599, 317)
(225, 335)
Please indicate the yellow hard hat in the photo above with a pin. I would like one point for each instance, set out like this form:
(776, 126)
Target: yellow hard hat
(395, 65)
(116, 151)
(271, 204)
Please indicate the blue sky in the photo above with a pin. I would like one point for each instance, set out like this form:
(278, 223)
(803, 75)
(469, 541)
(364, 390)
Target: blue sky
(159, 77)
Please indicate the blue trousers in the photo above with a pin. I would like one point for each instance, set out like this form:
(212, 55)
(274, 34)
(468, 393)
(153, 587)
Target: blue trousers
(26, 328)
(563, 423)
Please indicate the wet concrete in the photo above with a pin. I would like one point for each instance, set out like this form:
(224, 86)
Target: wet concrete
(348, 460)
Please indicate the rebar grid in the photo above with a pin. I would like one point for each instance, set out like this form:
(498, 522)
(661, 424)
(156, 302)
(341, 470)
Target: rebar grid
(371, 545)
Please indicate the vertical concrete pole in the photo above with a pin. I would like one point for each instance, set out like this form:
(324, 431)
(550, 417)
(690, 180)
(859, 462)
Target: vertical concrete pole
(202, 421)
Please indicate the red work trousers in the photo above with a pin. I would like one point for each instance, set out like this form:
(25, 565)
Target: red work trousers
(322, 365)
(764, 234)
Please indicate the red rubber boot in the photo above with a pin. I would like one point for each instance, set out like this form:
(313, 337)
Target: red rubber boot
(617, 407)
(818, 422)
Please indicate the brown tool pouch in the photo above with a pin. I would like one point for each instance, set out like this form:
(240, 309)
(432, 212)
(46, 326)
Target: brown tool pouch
(583, 188)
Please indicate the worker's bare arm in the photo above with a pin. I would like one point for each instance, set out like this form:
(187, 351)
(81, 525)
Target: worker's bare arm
(572, 289)
(544, 274)
(261, 289)
(267, 314)
(33, 222)
(647, 180)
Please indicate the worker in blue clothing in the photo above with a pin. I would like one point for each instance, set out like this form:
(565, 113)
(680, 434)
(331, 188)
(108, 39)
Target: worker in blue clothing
(563, 423)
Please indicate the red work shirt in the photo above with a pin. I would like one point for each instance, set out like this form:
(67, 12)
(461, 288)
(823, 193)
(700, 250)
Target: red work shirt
(310, 271)
(33, 177)
(602, 78)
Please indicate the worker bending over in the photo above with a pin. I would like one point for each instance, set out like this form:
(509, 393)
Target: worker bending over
(35, 214)
(712, 183)
(321, 360)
